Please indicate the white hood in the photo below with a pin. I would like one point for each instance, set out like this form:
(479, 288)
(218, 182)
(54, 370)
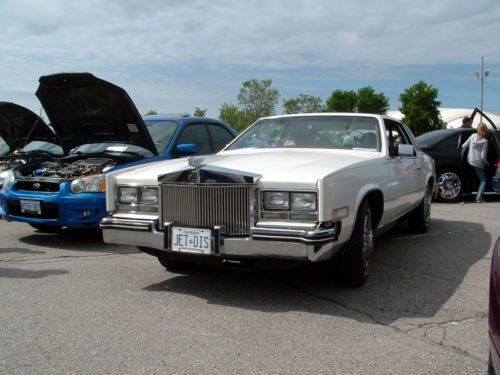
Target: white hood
(275, 166)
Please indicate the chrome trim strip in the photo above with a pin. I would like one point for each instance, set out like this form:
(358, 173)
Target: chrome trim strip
(307, 236)
(113, 223)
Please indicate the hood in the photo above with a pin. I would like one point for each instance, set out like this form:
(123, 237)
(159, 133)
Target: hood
(273, 167)
(84, 109)
(19, 126)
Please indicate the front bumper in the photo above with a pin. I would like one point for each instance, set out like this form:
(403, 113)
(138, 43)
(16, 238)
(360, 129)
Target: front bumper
(300, 244)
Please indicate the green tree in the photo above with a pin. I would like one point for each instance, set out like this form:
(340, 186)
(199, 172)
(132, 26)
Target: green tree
(371, 102)
(151, 112)
(257, 99)
(198, 112)
(231, 115)
(304, 103)
(420, 108)
(342, 101)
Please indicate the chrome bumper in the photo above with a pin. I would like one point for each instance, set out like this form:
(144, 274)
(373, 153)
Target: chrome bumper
(303, 244)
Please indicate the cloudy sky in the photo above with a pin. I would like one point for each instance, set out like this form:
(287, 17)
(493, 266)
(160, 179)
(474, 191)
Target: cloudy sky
(175, 55)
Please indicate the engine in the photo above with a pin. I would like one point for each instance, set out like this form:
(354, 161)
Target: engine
(73, 169)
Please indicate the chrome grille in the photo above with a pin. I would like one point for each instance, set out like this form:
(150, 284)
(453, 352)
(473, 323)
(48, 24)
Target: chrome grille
(209, 205)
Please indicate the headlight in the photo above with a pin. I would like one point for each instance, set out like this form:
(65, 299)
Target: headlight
(89, 184)
(148, 195)
(127, 195)
(6, 180)
(303, 201)
(276, 200)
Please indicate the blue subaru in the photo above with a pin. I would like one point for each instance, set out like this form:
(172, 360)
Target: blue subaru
(99, 129)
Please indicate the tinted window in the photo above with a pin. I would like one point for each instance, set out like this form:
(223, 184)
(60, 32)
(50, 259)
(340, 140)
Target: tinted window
(197, 134)
(43, 146)
(161, 132)
(450, 143)
(220, 136)
(395, 136)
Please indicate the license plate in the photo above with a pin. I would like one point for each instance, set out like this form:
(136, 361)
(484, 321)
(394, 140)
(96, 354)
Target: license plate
(191, 240)
(28, 206)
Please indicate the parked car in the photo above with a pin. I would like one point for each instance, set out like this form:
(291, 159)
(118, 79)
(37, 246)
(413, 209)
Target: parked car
(99, 129)
(454, 175)
(24, 138)
(494, 312)
(297, 187)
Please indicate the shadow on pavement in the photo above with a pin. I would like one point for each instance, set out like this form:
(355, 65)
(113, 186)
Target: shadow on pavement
(17, 273)
(411, 276)
(76, 240)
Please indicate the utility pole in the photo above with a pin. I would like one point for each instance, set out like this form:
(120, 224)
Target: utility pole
(481, 78)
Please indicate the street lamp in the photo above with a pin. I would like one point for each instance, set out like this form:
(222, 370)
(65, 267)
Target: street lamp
(482, 77)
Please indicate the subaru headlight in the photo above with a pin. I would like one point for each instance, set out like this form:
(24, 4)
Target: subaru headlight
(148, 195)
(303, 201)
(6, 180)
(128, 195)
(89, 184)
(276, 200)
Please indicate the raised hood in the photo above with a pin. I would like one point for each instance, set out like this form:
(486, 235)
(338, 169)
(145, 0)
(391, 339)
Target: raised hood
(84, 109)
(19, 126)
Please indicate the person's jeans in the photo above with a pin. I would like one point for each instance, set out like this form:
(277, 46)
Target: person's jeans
(481, 174)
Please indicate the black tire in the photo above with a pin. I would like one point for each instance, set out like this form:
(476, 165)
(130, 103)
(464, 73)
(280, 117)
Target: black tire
(355, 259)
(174, 265)
(420, 218)
(491, 369)
(450, 186)
(44, 228)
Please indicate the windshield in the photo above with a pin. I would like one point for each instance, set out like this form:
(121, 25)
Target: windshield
(43, 146)
(92, 148)
(328, 132)
(162, 132)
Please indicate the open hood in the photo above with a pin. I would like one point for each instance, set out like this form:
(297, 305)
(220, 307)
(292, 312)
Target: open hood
(84, 109)
(19, 126)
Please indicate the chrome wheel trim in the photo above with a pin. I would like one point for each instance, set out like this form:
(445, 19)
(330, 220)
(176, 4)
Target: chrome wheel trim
(367, 241)
(449, 185)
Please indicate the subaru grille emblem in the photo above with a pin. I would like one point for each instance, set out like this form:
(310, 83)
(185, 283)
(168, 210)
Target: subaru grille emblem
(36, 186)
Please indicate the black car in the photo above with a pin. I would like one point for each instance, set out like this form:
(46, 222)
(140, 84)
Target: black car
(454, 175)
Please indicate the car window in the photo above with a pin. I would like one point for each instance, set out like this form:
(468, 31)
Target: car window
(450, 143)
(43, 146)
(196, 134)
(110, 147)
(220, 136)
(4, 147)
(395, 136)
(162, 132)
(328, 132)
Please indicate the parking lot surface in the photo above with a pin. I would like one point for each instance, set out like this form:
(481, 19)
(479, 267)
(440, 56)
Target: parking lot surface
(71, 304)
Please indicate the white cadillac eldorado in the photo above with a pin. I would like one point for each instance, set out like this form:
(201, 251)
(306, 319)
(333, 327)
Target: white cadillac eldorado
(299, 187)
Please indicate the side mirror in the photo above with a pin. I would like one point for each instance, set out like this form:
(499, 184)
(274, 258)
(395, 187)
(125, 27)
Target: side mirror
(186, 149)
(406, 150)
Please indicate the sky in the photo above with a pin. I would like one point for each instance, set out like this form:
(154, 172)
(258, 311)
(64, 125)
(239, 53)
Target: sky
(174, 55)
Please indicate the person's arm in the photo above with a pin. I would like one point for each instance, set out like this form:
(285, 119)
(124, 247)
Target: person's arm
(467, 142)
(484, 154)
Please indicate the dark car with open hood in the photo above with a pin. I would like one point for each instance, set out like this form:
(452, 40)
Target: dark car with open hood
(455, 176)
(98, 129)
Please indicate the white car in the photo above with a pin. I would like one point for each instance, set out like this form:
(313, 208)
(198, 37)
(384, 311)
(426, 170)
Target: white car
(299, 187)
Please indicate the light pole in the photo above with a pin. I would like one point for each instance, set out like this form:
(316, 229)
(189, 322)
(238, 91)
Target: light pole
(482, 77)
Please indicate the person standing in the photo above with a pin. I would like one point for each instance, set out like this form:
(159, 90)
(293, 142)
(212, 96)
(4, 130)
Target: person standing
(477, 157)
(466, 122)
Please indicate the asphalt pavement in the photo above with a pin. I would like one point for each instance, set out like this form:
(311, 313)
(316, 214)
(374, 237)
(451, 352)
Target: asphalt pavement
(70, 304)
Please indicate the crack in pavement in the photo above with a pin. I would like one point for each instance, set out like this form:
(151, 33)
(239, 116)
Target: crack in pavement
(60, 257)
(303, 290)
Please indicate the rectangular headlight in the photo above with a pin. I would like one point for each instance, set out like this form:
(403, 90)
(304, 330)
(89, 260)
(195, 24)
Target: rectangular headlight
(276, 200)
(303, 201)
(149, 195)
(127, 195)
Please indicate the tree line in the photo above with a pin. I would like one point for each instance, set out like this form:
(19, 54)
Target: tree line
(256, 99)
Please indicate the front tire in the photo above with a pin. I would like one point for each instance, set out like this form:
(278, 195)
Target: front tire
(450, 186)
(420, 218)
(355, 259)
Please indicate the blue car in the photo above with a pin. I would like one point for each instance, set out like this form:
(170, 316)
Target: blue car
(99, 129)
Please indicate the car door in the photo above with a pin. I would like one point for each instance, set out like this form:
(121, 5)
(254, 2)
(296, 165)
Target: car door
(219, 136)
(405, 172)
